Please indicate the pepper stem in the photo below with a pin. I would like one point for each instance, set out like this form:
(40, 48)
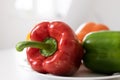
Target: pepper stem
(47, 47)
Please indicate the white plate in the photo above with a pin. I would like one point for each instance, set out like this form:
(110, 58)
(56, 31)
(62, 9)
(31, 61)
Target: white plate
(82, 74)
(26, 73)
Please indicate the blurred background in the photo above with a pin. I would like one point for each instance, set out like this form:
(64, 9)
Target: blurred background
(18, 17)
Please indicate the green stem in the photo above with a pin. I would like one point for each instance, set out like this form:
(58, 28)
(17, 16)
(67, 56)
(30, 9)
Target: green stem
(21, 45)
(47, 47)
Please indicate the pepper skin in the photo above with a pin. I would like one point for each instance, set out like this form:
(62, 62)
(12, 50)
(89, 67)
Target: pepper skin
(66, 59)
(102, 51)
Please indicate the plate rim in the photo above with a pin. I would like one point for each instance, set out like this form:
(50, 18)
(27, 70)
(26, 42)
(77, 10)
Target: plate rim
(76, 78)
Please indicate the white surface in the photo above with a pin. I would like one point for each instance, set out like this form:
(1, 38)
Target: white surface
(7, 65)
(14, 67)
(82, 74)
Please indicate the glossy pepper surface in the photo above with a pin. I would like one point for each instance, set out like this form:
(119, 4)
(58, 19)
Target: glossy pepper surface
(66, 57)
(102, 51)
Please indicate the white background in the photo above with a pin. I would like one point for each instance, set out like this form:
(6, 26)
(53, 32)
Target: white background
(15, 24)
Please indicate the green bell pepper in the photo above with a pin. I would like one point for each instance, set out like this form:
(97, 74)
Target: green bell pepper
(102, 51)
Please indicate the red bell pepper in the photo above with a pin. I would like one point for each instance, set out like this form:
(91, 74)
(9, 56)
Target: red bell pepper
(53, 49)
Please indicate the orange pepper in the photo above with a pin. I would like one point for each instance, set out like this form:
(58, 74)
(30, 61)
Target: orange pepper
(89, 27)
